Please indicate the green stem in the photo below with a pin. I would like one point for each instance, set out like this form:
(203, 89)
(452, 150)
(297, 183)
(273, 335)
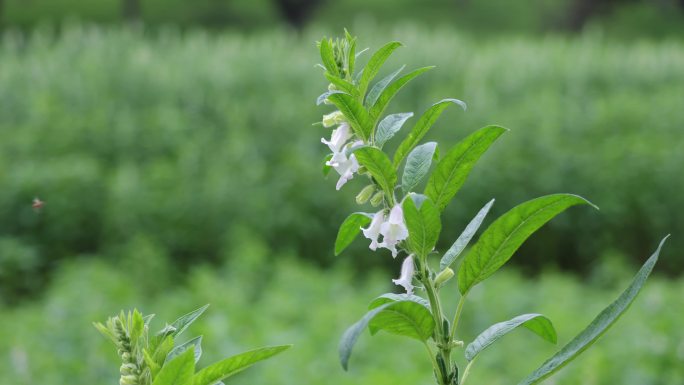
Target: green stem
(466, 372)
(432, 357)
(457, 317)
(443, 343)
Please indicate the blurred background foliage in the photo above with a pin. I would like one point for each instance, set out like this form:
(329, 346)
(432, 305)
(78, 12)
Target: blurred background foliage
(172, 144)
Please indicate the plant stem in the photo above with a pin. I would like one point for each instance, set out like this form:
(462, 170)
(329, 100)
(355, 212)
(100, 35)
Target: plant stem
(457, 317)
(442, 340)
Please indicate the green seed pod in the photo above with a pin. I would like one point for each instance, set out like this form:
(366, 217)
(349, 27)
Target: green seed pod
(376, 200)
(444, 276)
(365, 194)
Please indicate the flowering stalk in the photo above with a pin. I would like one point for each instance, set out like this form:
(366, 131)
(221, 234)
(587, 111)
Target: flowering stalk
(409, 219)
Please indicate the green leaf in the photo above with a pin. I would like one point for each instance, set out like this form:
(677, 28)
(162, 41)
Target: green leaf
(195, 344)
(375, 63)
(423, 225)
(503, 237)
(214, 373)
(452, 171)
(161, 351)
(404, 318)
(393, 297)
(184, 321)
(178, 371)
(417, 166)
(455, 250)
(342, 85)
(321, 98)
(379, 166)
(388, 93)
(421, 128)
(354, 112)
(351, 335)
(380, 86)
(597, 327)
(328, 57)
(536, 323)
(350, 228)
(389, 126)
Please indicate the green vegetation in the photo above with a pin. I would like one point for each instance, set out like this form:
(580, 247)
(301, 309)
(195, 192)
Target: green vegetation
(156, 149)
(261, 297)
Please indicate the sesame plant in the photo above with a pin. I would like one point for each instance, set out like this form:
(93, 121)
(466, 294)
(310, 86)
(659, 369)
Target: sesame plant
(155, 359)
(409, 191)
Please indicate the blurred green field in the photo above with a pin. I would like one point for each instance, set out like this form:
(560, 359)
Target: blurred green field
(175, 140)
(263, 298)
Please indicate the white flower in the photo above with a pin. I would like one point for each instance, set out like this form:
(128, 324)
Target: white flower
(338, 139)
(346, 169)
(406, 277)
(393, 230)
(373, 230)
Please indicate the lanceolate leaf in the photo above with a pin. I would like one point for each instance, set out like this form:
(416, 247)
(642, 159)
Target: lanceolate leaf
(178, 371)
(457, 248)
(379, 166)
(417, 165)
(404, 318)
(186, 320)
(350, 228)
(393, 297)
(375, 63)
(597, 327)
(328, 57)
(195, 344)
(537, 323)
(354, 112)
(412, 314)
(503, 237)
(423, 225)
(421, 128)
(342, 85)
(212, 374)
(388, 93)
(380, 86)
(389, 126)
(452, 171)
(321, 98)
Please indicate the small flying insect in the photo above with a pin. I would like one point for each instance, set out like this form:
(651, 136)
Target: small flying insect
(37, 204)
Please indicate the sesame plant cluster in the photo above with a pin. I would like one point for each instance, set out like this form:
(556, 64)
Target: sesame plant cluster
(406, 218)
(155, 359)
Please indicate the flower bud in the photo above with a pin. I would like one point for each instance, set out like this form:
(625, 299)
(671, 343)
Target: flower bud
(331, 87)
(444, 276)
(365, 194)
(376, 200)
(128, 380)
(128, 369)
(333, 118)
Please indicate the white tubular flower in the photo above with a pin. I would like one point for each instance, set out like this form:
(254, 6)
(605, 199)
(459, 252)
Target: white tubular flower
(339, 138)
(373, 230)
(406, 277)
(394, 230)
(346, 169)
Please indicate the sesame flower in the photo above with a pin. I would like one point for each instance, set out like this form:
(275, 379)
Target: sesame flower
(406, 276)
